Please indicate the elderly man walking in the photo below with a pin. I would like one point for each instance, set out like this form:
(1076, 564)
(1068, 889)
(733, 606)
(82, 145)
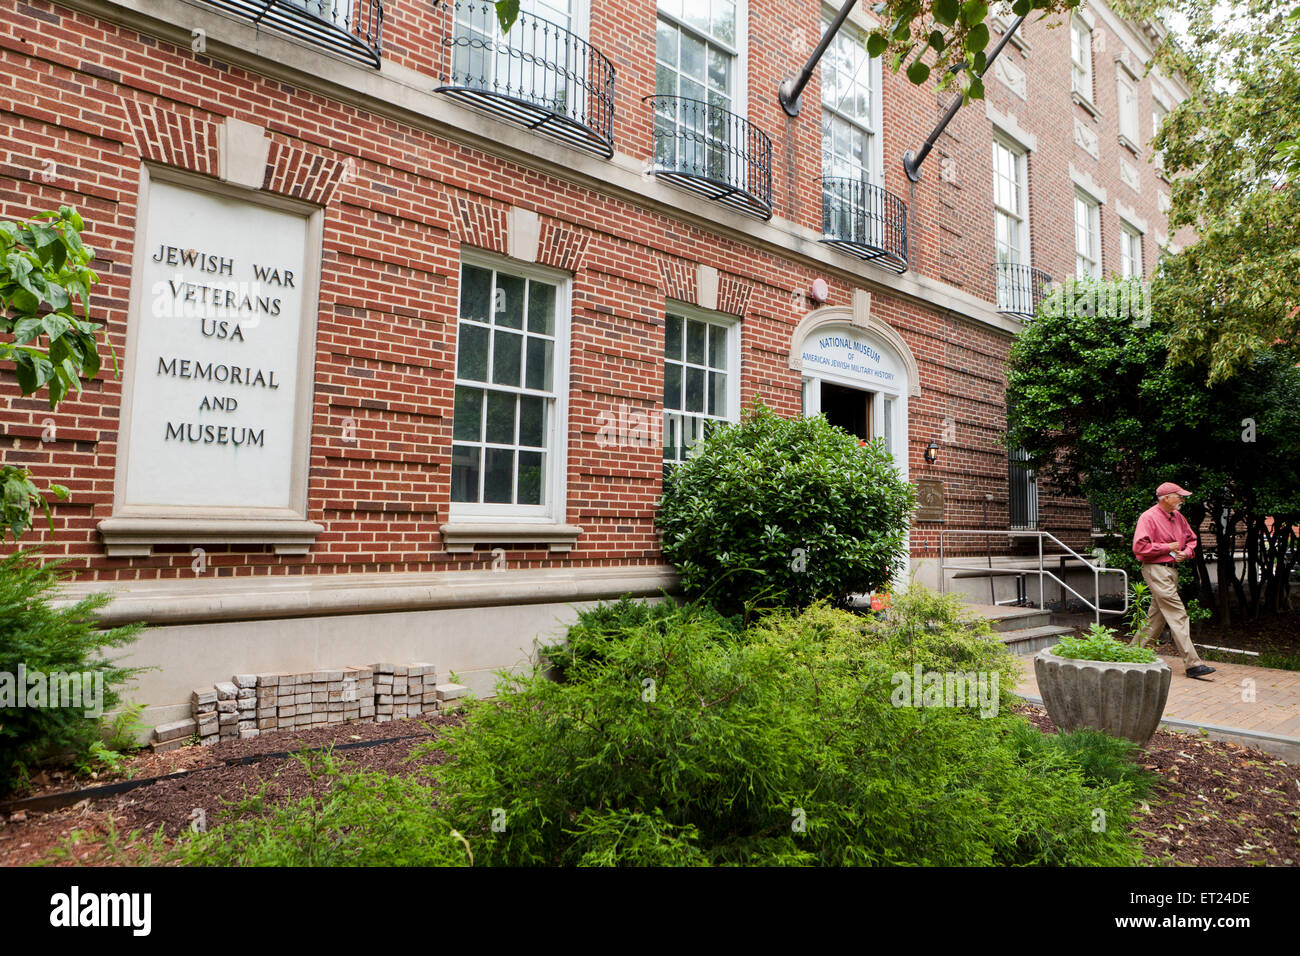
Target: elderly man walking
(1162, 541)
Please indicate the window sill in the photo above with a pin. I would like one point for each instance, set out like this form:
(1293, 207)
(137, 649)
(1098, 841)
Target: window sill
(1128, 144)
(135, 537)
(461, 537)
(1086, 103)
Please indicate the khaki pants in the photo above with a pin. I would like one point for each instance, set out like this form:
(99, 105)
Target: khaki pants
(1167, 608)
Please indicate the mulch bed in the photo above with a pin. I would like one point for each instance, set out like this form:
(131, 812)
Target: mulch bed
(106, 826)
(1279, 633)
(1218, 804)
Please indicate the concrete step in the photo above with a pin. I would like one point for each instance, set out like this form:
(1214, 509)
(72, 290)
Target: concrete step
(1011, 618)
(1029, 640)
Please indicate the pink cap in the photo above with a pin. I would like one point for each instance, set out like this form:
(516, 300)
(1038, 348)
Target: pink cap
(1169, 488)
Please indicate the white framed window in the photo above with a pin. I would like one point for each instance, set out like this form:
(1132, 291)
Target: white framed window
(1130, 252)
(698, 58)
(1010, 221)
(1126, 88)
(701, 376)
(850, 106)
(1087, 237)
(511, 388)
(1011, 230)
(851, 146)
(530, 62)
(1081, 57)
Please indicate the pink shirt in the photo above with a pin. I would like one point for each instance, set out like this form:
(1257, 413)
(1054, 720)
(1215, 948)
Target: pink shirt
(1158, 531)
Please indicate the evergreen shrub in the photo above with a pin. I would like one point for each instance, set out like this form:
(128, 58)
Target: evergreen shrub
(784, 512)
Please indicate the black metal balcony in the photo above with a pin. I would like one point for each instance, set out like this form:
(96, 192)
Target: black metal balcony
(539, 75)
(865, 221)
(350, 28)
(1020, 288)
(713, 152)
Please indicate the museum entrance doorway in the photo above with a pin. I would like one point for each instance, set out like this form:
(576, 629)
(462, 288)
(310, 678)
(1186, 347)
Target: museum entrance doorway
(848, 408)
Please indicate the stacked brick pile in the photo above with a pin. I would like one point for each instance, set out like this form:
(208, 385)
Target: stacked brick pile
(246, 704)
(204, 702)
(316, 698)
(404, 691)
(249, 704)
(227, 711)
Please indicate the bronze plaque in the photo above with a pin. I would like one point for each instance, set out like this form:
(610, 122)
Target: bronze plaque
(929, 499)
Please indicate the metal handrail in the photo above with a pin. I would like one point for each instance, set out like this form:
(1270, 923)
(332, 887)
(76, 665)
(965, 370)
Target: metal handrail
(1041, 571)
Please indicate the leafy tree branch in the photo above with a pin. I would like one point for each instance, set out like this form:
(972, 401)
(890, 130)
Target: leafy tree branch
(44, 276)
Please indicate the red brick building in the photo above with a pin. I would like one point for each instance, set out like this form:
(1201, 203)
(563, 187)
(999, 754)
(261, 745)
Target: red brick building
(412, 316)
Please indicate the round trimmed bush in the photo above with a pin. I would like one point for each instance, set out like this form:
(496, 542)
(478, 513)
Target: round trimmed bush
(784, 511)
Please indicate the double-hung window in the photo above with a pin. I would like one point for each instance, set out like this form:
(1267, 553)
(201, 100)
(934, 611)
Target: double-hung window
(697, 87)
(1010, 228)
(701, 377)
(510, 387)
(1081, 58)
(1087, 237)
(1126, 88)
(533, 62)
(1130, 252)
(850, 140)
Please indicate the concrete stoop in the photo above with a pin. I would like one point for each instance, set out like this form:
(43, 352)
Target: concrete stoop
(1022, 629)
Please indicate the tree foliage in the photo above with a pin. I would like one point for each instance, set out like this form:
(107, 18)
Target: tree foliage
(44, 275)
(1232, 152)
(1101, 411)
(947, 38)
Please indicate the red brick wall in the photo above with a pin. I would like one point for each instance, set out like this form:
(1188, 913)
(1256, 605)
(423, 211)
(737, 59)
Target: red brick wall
(84, 101)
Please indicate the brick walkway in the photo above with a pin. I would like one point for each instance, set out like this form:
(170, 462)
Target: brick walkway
(1222, 704)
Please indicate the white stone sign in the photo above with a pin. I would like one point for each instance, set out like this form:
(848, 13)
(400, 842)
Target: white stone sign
(848, 354)
(217, 329)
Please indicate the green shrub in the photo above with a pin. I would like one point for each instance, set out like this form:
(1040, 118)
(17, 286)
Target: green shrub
(1103, 759)
(45, 639)
(688, 744)
(588, 638)
(1197, 612)
(1279, 660)
(1099, 644)
(777, 511)
(365, 819)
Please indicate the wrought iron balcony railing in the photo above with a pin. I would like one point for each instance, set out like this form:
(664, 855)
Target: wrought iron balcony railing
(1020, 288)
(865, 221)
(713, 152)
(539, 75)
(350, 28)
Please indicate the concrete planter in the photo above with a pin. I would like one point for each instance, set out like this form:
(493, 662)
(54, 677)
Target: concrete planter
(1125, 700)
